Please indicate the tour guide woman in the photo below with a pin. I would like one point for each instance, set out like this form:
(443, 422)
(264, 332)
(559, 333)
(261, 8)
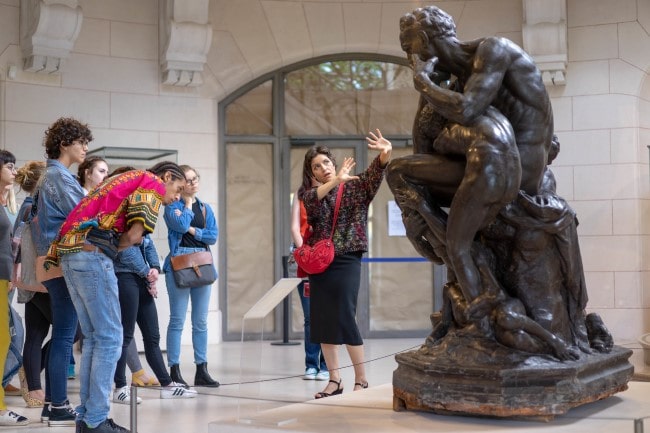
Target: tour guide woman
(334, 292)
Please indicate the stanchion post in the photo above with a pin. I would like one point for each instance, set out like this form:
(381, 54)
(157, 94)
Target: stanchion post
(285, 310)
(638, 425)
(134, 409)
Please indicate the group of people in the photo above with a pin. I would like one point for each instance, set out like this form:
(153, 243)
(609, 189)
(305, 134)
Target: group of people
(97, 271)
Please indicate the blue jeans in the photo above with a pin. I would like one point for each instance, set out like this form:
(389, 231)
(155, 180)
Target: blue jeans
(93, 288)
(64, 328)
(313, 355)
(178, 300)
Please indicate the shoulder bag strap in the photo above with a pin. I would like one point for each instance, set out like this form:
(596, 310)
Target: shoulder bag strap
(336, 208)
(205, 219)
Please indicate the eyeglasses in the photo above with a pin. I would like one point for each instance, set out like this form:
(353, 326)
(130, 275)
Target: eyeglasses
(10, 166)
(192, 181)
(82, 143)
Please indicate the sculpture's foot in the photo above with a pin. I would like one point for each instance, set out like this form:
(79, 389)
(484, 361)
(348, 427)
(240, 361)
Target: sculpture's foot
(599, 337)
(436, 335)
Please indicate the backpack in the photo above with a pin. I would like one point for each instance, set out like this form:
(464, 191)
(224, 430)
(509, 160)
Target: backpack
(25, 261)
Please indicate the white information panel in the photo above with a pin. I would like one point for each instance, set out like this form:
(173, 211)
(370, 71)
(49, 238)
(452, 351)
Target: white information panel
(272, 298)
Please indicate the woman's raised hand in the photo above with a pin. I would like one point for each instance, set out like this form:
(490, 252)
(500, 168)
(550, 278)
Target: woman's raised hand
(378, 142)
(344, 172)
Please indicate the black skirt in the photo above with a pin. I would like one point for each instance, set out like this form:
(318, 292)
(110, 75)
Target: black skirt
(333, 302)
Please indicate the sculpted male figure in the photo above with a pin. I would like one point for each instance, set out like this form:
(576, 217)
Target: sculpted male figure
(499, 89)
(513, 319)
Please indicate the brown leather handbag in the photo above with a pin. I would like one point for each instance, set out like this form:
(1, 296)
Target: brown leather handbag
(315, 259)
(194, 269)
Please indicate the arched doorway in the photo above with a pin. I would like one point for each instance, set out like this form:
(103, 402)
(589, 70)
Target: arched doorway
(266, 127)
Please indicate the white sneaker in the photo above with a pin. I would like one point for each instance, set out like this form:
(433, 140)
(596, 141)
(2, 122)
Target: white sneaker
(176, 390)
(11, 418)
(310, 374)
(123, 396)
(323, 375)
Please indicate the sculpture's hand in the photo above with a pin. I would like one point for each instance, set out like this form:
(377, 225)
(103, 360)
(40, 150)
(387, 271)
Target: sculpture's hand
(481, 306)
(424, 72)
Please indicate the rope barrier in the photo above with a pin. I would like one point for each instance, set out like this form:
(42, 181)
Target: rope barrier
(134, 391)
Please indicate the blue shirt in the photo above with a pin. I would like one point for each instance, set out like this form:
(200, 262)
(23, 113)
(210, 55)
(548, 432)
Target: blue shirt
(58, 193)
(179, 225)
(138, 259)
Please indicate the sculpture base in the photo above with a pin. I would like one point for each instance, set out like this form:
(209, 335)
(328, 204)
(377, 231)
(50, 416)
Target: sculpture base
(486, 379)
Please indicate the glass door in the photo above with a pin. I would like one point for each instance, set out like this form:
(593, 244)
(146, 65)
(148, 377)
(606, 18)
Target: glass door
(398, 287)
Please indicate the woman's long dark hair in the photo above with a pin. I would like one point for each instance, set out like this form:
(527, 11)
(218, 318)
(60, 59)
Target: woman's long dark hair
(307, 174)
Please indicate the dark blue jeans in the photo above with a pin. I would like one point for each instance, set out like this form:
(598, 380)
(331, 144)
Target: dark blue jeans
(64, 328)
(313, 355)
(137, 305)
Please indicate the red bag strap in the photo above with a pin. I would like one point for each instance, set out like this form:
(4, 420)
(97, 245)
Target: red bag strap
(336, 208)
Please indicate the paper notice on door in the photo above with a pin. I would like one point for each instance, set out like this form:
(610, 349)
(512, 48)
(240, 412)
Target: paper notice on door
(395, 224)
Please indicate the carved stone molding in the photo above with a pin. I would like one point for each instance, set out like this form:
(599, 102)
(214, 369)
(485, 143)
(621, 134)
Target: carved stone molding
(48, 31)
(185, 38)
(545, 38)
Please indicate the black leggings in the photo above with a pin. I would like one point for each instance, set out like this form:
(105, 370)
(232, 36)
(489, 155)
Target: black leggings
(38, 319)
(137, 305)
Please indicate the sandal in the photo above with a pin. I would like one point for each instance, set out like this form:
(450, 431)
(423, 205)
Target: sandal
(140, 378)
(361, 385)
(337, 391)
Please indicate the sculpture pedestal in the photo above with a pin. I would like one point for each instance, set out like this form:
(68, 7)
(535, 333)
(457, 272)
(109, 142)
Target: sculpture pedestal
(486, 379)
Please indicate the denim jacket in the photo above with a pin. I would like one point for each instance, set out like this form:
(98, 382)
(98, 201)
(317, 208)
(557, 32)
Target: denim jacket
(58, 194)
(138, 259)
(179, 225)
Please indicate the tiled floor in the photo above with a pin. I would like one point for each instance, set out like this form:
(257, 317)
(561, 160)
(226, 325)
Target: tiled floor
(279, 368)
(275, 373)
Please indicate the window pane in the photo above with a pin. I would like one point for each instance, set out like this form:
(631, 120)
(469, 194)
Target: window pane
(401, 292)
(350, 97)
(249, 228)
(251, 113)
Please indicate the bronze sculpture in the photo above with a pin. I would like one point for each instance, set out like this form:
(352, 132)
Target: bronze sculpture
(515, 301)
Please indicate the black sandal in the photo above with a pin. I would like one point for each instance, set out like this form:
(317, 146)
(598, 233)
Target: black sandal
(363, 385)
(337, 391)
